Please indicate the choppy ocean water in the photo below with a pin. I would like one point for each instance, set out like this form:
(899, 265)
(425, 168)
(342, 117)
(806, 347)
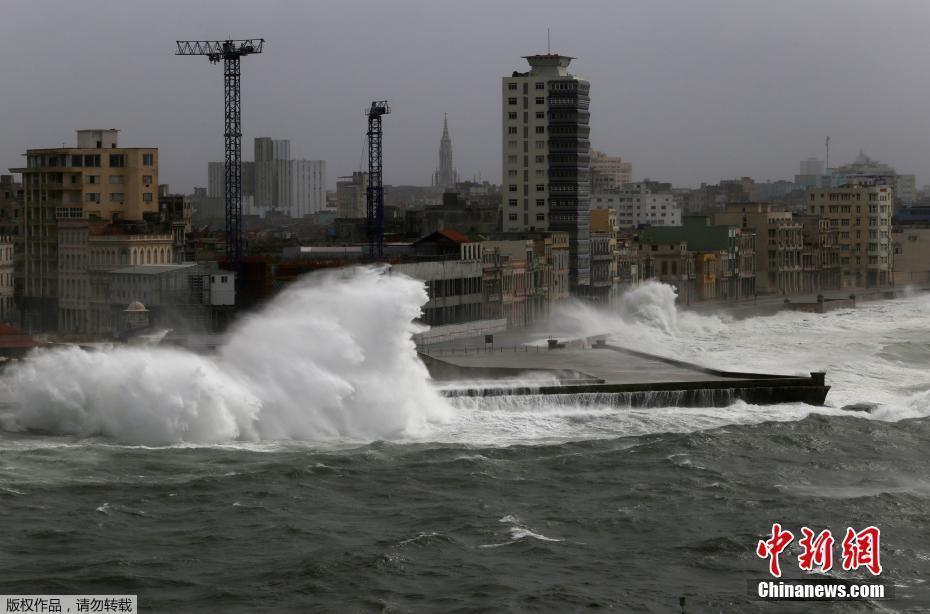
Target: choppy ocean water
(484, 505)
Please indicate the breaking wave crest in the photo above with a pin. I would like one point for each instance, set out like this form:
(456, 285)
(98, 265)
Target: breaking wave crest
(330, 358)
(644, 318)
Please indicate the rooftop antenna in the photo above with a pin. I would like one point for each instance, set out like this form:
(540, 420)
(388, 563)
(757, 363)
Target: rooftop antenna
(548, 43)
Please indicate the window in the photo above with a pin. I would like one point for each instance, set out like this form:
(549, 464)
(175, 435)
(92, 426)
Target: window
(93, 197)
(540, 217)
(540, 144)
(512, 130)
(512, 217)
(540, 85)
(116, 197)
(512, 172)
(117, 160)
(512, 144)
(116, 179)
(512, 100)
(77, 161)
(540, 159)
(540, 115)
(512, 202)
(512, 86)
(92, 160)
(540, 100)
(540, 202)
(147, 179)
(512, 187)
(540, 187)
(511, 159)
(147, 197)
(148, 159)
(540, 129)
(92, 178)
(512, 115)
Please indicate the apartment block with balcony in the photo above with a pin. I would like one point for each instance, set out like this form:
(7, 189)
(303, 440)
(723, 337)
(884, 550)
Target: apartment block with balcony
(861, 217)
(546, 157)
(779, 244)
(97, 180)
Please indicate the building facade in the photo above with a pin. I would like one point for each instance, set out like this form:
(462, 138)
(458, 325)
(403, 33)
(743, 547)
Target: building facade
(97, 179)
(861, 215)
(308, 188)
(272, 174)
(779, 245)
(608, 172)
(351, 196)
(88, 250)
(644, 203)
(546, 160)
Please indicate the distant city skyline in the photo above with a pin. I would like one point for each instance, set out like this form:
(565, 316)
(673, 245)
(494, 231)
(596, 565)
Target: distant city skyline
(686, 92)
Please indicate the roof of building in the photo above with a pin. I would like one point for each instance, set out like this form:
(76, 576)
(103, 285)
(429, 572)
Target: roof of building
(154, 269)
(696, 232)
(444, 233)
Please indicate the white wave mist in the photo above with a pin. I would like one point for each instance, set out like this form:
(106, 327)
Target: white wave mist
(645, 318)
(330, 358)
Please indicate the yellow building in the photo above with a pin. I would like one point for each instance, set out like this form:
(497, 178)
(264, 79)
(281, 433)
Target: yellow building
(95, 180)
(861, 217)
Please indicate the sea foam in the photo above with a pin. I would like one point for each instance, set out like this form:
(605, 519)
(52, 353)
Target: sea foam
(332, 357)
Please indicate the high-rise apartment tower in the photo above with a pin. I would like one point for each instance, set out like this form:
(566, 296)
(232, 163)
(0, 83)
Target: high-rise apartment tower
(546, 159)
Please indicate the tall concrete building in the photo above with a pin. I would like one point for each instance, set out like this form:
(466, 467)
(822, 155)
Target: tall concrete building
(445, 176)
(275, 182)
(272, 174)
(862, 216)
(97, 179)
(546, 161)
(308, 187)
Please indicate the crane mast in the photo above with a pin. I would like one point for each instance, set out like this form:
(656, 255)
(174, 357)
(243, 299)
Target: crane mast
(375, 194)
(229, 52)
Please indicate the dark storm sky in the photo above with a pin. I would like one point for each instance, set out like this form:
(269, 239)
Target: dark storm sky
(688, 90)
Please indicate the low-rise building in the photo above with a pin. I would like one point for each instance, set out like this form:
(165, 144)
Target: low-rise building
(724, 256)
(176, 296)
(87, 251)
(911, 256)
(669, 261)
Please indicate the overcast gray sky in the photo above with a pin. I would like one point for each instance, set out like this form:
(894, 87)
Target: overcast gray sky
(688, 90)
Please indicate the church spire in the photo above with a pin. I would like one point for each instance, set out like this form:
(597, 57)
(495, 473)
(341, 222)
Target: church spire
(445, 176)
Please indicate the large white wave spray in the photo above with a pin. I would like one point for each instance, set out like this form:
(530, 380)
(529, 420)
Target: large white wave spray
(331, 357)
(645, 318)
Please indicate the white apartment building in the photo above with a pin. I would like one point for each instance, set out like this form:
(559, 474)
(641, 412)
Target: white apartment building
(640, 204)
(545, 175)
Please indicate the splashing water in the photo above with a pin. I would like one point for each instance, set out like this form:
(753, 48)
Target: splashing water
(645, 318)
(331, 357)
